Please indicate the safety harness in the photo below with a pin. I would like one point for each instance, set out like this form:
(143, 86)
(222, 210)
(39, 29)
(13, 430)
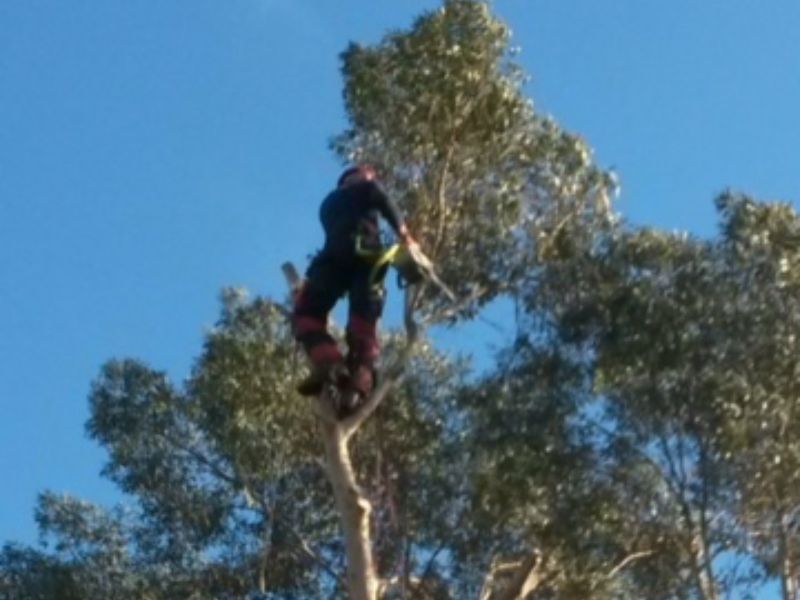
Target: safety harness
(412, 266)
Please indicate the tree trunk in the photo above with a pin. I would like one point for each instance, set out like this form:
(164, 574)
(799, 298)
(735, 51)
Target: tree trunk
(788, 585)
(354, 513)
(352, 505)
(788, 580)
(701, 567)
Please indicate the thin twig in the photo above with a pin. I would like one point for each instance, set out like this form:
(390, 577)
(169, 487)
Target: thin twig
(628, 560)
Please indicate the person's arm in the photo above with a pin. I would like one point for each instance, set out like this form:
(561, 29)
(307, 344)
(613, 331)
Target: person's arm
(380, 201)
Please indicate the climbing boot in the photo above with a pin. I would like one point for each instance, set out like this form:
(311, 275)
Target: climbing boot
(322, 375)
(361, 384)
(348, 403)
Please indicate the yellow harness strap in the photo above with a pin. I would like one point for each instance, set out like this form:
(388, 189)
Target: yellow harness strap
(381, 260)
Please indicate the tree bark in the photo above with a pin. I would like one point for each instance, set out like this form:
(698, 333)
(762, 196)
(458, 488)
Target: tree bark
(788, 581)
(352, 505)
(354, 512)
(527, 579)
(522, 578)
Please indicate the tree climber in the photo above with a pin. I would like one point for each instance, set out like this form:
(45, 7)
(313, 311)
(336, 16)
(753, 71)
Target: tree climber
(349, 216)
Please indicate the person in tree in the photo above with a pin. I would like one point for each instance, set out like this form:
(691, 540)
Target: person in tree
(350, 217)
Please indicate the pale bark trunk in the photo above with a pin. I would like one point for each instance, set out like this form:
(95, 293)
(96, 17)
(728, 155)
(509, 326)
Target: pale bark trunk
(705, 545)
(354, 513)
(705, 573)
(700, 563)
(788, 581)
(788, 585)
(352, 505)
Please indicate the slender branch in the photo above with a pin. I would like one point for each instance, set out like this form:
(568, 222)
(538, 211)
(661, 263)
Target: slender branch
(309, 552)
(676, 486)
(681, 461)
(526, 578)
(648, 460)
(254, 501)
(421, 583)
(628, 560)
(302, 543)
(442, 198)
(452, 311)
(393, 583)
(704, 521)
(495, 570)
(486, 588)
(266, 552)
(204, 460)
(292, 277)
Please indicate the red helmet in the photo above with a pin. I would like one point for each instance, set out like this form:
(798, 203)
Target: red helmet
(362, 172)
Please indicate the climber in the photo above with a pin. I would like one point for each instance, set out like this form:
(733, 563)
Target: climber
(349, 216)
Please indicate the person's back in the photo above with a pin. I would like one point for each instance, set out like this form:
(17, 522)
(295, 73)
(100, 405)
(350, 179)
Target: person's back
(352, 211)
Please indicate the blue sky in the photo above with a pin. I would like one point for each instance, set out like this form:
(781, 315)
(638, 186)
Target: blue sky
(154, 152)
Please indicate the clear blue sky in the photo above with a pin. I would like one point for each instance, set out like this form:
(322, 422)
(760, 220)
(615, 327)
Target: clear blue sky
(153, 152)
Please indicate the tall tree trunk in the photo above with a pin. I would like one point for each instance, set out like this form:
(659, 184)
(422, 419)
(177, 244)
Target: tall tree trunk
(788, 577)
(788, 583)
(352, 505)
(706, 554)
(354, 513)
(704, 569)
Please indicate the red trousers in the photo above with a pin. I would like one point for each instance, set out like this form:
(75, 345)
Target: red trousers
(328, 279)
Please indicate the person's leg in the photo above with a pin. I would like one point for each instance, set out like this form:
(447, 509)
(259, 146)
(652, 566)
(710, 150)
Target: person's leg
(366, 307)
(323, 286)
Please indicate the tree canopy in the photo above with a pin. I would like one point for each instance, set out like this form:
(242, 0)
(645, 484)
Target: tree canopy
(637, 439)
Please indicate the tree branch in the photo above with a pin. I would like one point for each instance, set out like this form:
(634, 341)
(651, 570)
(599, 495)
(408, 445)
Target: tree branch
(525, 577)
(628, 560)
(257, 503)
(442, 197)
(302, 543)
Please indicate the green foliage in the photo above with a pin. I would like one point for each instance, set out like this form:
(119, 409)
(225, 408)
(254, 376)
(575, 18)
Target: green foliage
(27, 573)
(537, 479)
(229, 495)
(692, 346)
(639, 436)
(440, 110)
